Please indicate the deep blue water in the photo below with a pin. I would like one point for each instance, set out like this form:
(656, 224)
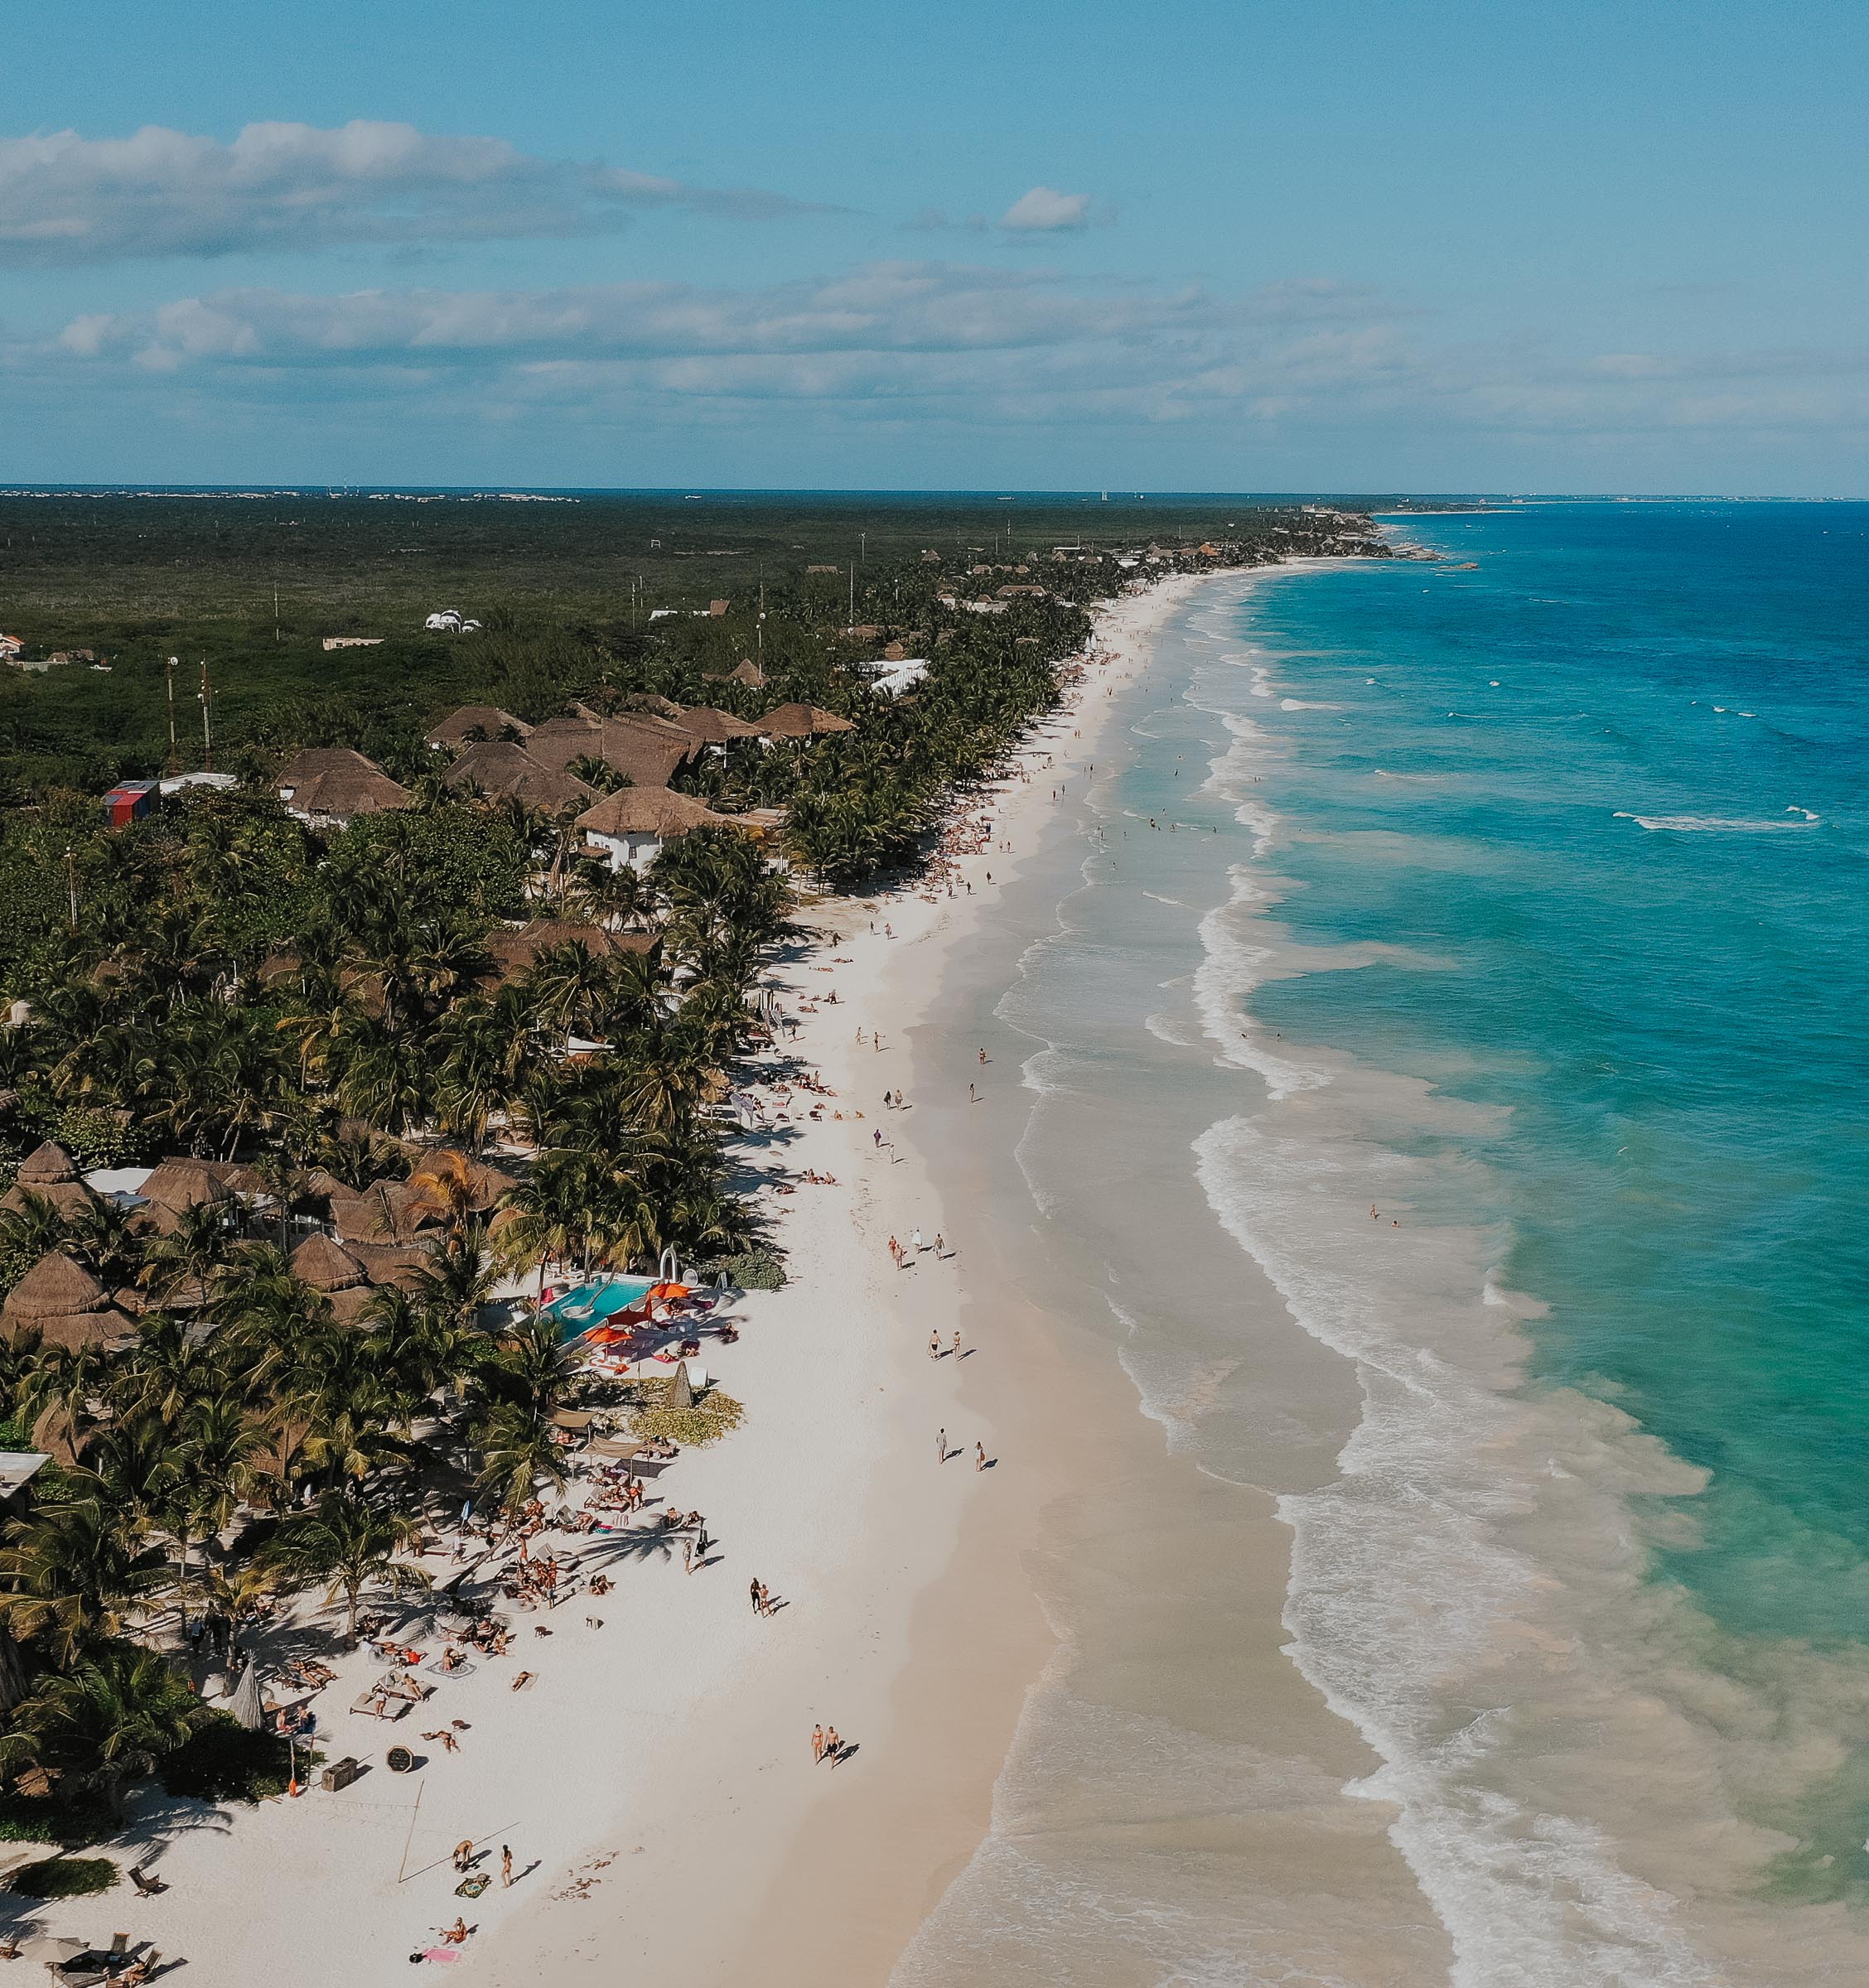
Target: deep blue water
(1623, 764)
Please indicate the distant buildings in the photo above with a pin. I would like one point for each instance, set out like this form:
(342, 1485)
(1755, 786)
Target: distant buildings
(333, 642)
(332, 786)
(128, 801)
(450, 622)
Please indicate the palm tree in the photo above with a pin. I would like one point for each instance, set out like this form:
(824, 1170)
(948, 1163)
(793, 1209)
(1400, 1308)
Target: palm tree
(346, 1542)
(517, 1452)
(75, 1569)
(108, 1723)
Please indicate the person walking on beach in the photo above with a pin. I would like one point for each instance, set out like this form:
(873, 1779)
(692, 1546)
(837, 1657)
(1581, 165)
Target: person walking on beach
(765, 1599)
(816, 1744)
(833, 1746)
(979, 1457)
(940, 1246)
(957, 1343)
(940, 1446)
(754, 1590)
(687, 1557)
(973, 1095)
(505, 1867)
(934, 1345)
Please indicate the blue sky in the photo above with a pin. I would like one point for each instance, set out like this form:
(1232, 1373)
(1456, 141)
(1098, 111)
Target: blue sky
(1189, 246)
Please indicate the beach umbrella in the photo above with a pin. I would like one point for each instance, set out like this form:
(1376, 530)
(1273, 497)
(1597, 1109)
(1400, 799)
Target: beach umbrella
(54, 1952)
(245, 1704)
(681, 1393)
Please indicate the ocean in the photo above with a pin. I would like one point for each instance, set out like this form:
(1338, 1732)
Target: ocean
(1476, 951)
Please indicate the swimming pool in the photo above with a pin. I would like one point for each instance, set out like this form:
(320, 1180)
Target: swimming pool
(587, 1304)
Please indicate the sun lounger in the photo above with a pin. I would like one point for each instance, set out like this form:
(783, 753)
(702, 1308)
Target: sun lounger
(377, 1706)
(146, 1886)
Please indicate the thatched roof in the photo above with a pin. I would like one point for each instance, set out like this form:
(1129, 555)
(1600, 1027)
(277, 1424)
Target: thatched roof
(747, 672)
(490, 718)
(59, 1299)
(800, 721)
(657, 811)
(714, 728)
(183, 1184)
(647, 750)
(515, 949)
(398, 1263)
(326, 1186)
(387, 1211)
(56, 1284)
(326, 1265)
(47, 1165)
(331, 782)
(502, 771)
(69, 1198)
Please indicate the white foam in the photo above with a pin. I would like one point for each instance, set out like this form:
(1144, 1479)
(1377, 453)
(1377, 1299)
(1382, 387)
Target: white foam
(1716, 824)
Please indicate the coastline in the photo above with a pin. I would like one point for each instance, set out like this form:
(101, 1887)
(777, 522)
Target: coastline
(916, 1630)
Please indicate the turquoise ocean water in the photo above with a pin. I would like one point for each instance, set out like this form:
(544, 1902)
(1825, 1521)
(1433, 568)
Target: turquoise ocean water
(1562, 863)
(1478, 950)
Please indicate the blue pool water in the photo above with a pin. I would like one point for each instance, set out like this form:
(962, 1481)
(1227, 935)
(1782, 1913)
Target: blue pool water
(588, 1305)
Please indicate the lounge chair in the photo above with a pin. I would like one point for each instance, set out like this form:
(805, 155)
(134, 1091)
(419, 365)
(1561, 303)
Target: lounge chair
(146, 1886)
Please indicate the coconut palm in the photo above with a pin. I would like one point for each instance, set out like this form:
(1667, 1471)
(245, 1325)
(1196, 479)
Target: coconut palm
(75, 1569)
(110, 1722)
(345, 1543)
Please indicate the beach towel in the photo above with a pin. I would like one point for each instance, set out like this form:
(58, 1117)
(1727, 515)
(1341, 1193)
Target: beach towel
(471, 1887)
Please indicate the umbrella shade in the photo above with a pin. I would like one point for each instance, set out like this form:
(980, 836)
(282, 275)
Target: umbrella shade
(245, 1705)
(52, 1951)
(681, 1392)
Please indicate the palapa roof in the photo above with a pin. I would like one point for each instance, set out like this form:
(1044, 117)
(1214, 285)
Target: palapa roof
(714, 728)
(333, 781)
(398, 1263)
(56, 1285)
(326, 1265)
(490, 718)
(649, 750)
(387, 1211)
(503, 770)
(66, 1304)
(69, 1198)
(46, 1165)
(486, 1183)
(800, 721)
(177, 1185)
(515, 948)
(747, 672)
(657, 811)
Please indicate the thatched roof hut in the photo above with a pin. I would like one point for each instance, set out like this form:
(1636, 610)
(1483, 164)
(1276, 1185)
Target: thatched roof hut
(66, 1304)
(48, 1164)
(326, 1265)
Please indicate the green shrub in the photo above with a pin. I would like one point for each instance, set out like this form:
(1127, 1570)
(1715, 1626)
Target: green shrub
(752, 1270)
(45, 1819)
(64, 1877)
(96, 1139)
(705, 1422)
(223, 1762)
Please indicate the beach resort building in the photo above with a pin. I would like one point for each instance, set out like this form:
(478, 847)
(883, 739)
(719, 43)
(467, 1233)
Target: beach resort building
(330, 785)
(630, 828)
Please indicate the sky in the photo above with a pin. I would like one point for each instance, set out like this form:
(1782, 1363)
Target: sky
(1382, 245)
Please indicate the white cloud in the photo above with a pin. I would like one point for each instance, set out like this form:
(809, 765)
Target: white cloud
(65, 199)
(922, 346)
(1043, 211)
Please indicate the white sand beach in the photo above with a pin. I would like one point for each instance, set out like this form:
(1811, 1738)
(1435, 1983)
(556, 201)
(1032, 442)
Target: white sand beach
(655, 1782)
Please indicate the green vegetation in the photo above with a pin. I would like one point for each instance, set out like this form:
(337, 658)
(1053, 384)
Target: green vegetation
(332, 1025)
(64, 1878)
(713, 1415)
(222, 1761)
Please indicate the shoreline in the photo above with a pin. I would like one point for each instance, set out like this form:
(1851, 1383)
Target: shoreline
(820, 1881)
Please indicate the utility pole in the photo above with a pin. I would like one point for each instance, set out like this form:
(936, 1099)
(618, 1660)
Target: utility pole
(175, 756)
(71, 882)
(275, 612)
(207, 730)
(852, 597)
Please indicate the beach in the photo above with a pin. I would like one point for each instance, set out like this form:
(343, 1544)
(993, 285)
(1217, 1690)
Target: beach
(654, 1780)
